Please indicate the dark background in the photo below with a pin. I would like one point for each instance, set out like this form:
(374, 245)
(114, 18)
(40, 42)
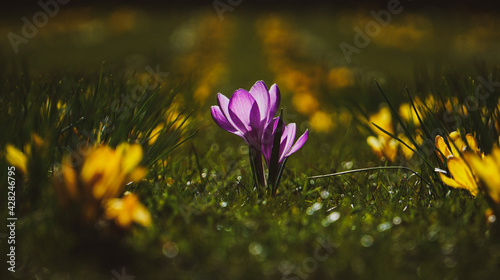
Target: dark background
(261, 4)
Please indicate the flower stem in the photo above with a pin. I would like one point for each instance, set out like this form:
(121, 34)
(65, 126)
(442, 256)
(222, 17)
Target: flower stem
(257, 168)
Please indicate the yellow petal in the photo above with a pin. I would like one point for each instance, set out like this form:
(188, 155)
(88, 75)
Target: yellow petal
(408, 114)
(457, 145)
(154, 134)
(15, 157)
(70, 182)
(455, 135)
(375, 144)
(462, 174)
(141, 215)
(391, 149)
(101, 173)
(137, 174)
(407, 152)
(488, 169)
(131, 154)
(442, 147)
(37, 140)
(449, 181)
(383, 119)
(127, 210)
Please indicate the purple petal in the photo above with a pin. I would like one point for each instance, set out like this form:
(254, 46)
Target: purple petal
(223, 102)
(220, 120)
(300, 142)
(254, 135)
(268, 138)
(274, 100)
(287, 140)
(255, 120)
(261, 95)
(240, 108)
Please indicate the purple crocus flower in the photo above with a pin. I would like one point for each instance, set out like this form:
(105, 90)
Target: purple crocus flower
(247, 114)
(287, 147)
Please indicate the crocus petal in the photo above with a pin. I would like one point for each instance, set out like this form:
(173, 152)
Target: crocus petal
(268, 138)
(442, 147)
(462, 174)
(220, 120)
(261, 95)
(375, 144)
(240, 107)
(287, 140)
(300, 142)
(488, 169)
(449, 181)
(274, 100)
(255, 120)
(223, 103)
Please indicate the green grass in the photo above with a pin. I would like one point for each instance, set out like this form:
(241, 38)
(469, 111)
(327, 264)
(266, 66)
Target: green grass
(207, 220)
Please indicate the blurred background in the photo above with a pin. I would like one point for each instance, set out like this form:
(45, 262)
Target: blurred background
(218, 46)
(324, 56)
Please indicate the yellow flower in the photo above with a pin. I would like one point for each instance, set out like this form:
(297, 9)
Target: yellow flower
(408, 114)
(488, 170)
(15, 157)
(382, 118)
(340, 77)
(461, 175)
(155, 133)
(107, 170)
(457, 145)
(103, 174)
(124, 211)
(407, 152)
(382, 146)
(321, 121)
(305, 103)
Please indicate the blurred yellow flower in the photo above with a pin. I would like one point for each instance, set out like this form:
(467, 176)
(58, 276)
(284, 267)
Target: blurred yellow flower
(155, 133)
(340, 77)
(127, 210)
(383, 147)
(321, 121)
(407, 152)
(19, 159)
(407, 113)
(15, 157)
(488, 170)
(103, 174)
(107, 170)
(382, 118)
(305, 103)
